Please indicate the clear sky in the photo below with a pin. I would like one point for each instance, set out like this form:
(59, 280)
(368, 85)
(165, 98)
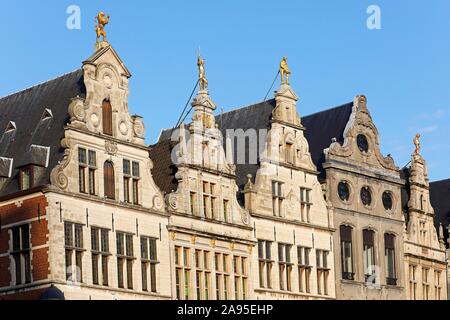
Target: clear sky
(403, 68)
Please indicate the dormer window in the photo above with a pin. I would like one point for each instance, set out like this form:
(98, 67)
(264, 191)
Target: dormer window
(107, 117)
(11, 127)
(47, 114)
(26, 178)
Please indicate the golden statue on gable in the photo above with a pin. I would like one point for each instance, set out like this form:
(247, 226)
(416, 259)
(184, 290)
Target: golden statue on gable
(417, 143)
(102, 21)
(284, 71)
(201, 72)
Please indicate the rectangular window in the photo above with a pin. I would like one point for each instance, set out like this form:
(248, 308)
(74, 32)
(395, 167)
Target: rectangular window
(437, 285)
(277, 198)
(389, 253)
(225, 210)
(369, 256)
(209, 200)
(265, 263)
(203, 274)
(285, 266)
(412, 283)
(100, 255)
(126, 190)
(305, 204)
(87, 166)
(149, 261)
(304, 269)
(73, 235)
(425, 283)
(192, 202)
(21, 254)
(125, 259)
(347, 253)
(182, 273)
(322, 271)
(223, 275)
(131, 175)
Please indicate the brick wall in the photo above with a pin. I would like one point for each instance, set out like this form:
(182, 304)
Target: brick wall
(22, 211)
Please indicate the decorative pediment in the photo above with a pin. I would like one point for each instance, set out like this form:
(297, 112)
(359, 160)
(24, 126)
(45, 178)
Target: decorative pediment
(106, 54)
(361, 140)
(287, 92)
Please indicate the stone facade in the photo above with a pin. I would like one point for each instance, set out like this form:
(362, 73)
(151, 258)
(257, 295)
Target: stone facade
(292, 222)
(357, 178)
(425, 256)
(91, 212)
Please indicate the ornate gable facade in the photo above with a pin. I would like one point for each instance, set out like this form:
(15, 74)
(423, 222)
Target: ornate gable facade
(365, 187)
(292, 221)
(425, 254)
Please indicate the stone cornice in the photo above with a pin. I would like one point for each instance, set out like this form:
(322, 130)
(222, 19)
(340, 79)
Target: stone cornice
(216, 236)
(362, 171)
(218, 222)
(97, 199)
(107, 138)
(295, 222)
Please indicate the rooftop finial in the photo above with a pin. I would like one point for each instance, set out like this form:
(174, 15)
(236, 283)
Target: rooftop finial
(201, 72)
(102, 20)
(417, 143)
(284, 71)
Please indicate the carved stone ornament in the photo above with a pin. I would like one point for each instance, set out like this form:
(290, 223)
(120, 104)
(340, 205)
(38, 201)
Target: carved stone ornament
(158, 203)
(245, 218)
(111, 147)
(173, 201)
(77, 111)
(139, 128)
(57, 177)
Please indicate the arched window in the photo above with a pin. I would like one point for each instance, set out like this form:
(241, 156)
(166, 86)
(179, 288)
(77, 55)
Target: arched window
(107, 117)
(369, 255)
(108, 180)
(346, 252)
(389, 252)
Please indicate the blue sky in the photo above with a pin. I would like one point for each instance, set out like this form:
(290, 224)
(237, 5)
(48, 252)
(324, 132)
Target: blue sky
(404, 68)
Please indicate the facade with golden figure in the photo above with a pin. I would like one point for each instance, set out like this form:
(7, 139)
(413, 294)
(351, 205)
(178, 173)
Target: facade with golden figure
(255, 203)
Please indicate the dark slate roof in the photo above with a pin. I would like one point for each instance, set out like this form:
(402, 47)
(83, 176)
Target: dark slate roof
(34, 134)
(257, 117)
(322, 127)
(440, 200)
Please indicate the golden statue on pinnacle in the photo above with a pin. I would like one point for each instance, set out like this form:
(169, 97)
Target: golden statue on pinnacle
(201, 72)
(284, 71)
(102, 21)
(417, 143)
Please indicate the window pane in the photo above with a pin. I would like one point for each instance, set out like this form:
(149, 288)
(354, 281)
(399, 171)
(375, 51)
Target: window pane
(78, 236)
(126, 167)
(68, 234)
(105, 241)
(92, 158)
(94, 239)
(144, 248)
(136, 172)
(82, 156)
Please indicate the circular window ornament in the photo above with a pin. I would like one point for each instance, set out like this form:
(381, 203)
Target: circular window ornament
(366, 196)
(363, 143)
(344, 191)
(387, 200)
